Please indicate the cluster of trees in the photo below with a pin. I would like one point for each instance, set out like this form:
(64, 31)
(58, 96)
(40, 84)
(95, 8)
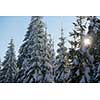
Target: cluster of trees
(37, 62)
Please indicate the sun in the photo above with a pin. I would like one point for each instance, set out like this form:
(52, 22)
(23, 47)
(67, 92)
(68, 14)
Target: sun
(87, 41)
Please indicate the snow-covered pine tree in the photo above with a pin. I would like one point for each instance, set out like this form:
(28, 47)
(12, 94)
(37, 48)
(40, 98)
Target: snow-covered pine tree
(51, 52)
(77, 55)
(8, 72)
(61, 65)
(94, 51)
(34, 58)
(24, 54)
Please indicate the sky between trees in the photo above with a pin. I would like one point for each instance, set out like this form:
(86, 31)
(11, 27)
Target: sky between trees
(16, 26)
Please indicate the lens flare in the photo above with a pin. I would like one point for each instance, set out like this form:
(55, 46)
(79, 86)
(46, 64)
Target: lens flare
(87, 41)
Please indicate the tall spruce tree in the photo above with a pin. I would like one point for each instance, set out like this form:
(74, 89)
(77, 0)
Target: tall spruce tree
(61, 66)
(33, 59)
(94, 51)
(77, 55)
(7, 74)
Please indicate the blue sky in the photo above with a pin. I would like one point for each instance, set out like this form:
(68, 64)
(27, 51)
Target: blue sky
(16, 26)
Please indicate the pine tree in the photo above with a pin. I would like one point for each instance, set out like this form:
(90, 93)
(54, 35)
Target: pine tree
(8, 72)
(94, 51)
(61, 67)
(33, 60)
(77, 54)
